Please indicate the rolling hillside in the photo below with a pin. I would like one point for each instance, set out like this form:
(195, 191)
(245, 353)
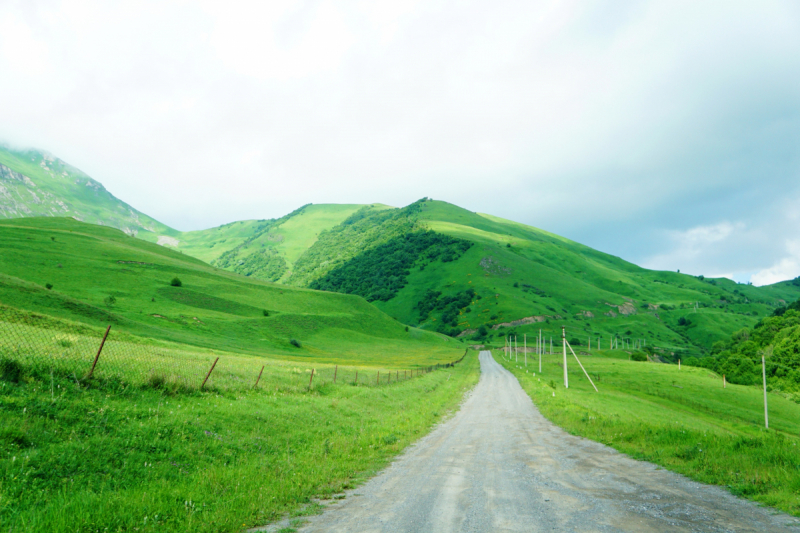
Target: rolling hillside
(515, 279)
(266, 249)
(101, 276)
(430, 264)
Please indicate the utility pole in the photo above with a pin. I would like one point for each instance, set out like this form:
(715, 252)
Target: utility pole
(541, 349)
(525, 348)
(564, 340)
(764, 378)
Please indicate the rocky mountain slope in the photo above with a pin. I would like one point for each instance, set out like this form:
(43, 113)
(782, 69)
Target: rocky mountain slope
(35, 183)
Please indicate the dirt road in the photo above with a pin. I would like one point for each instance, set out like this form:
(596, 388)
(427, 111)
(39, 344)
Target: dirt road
(498, 465)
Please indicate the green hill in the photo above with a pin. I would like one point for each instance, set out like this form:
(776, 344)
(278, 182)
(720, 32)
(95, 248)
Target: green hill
(510, 278)
(430, 264)
(267, 249)
(99, 275)
(34, 183)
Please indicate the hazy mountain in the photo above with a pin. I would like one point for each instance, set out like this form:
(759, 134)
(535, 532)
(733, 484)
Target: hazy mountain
(35, 183)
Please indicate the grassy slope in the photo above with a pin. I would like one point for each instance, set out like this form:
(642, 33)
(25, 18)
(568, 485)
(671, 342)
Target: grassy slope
(216, 309)
(209, 244)
(201, 462)
(569, 278)
(573, 279)
(680, 419)
(55, 181)
(290, 236)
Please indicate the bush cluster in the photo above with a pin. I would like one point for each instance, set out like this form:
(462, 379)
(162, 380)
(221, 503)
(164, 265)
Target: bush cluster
(777, 338)
(449, 305)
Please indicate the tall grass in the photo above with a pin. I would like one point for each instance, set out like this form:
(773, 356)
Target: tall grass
(113, 456)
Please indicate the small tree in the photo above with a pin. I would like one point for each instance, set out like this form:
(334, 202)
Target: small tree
(176, 282)
(266, 313)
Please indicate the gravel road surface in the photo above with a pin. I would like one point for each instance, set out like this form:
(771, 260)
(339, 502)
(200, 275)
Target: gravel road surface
(498, 465)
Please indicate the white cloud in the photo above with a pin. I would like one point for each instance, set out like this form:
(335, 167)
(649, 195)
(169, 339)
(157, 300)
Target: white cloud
(279, 39)
(690, 245)
(613, 123)
(787, 268)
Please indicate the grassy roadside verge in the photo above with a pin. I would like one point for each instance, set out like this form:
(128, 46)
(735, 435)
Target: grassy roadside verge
(682, 420)
(115, 457)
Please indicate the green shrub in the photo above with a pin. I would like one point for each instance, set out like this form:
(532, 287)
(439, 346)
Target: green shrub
(638, 356)
(110, 300)
(266, 313)
(176, 282)
(10, 370)
(295, 343)
(48, 286)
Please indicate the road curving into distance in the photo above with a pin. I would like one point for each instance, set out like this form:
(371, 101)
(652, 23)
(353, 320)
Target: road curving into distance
(498, 465)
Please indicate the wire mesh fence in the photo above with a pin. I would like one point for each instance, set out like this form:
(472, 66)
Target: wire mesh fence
(46, 344)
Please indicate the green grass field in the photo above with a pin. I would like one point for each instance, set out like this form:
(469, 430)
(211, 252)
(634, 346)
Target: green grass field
(682, 420)
(113, 456)
(87, 265)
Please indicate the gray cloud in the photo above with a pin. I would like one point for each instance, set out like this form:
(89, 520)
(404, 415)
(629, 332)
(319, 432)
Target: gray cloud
(639, 128)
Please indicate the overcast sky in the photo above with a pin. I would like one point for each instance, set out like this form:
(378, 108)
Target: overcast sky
(665, 132)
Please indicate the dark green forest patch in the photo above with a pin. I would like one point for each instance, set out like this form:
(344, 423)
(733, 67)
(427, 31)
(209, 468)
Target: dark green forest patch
(379, 273)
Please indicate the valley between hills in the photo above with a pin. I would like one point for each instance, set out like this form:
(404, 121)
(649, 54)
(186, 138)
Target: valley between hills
(345, 333)
(431, 265)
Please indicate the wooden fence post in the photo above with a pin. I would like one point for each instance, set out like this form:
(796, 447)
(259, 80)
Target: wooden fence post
(259, 377)
(335, 371)
(96, 357)
(378, 379)
(210, 370)
(356, 382)
(311, 379)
